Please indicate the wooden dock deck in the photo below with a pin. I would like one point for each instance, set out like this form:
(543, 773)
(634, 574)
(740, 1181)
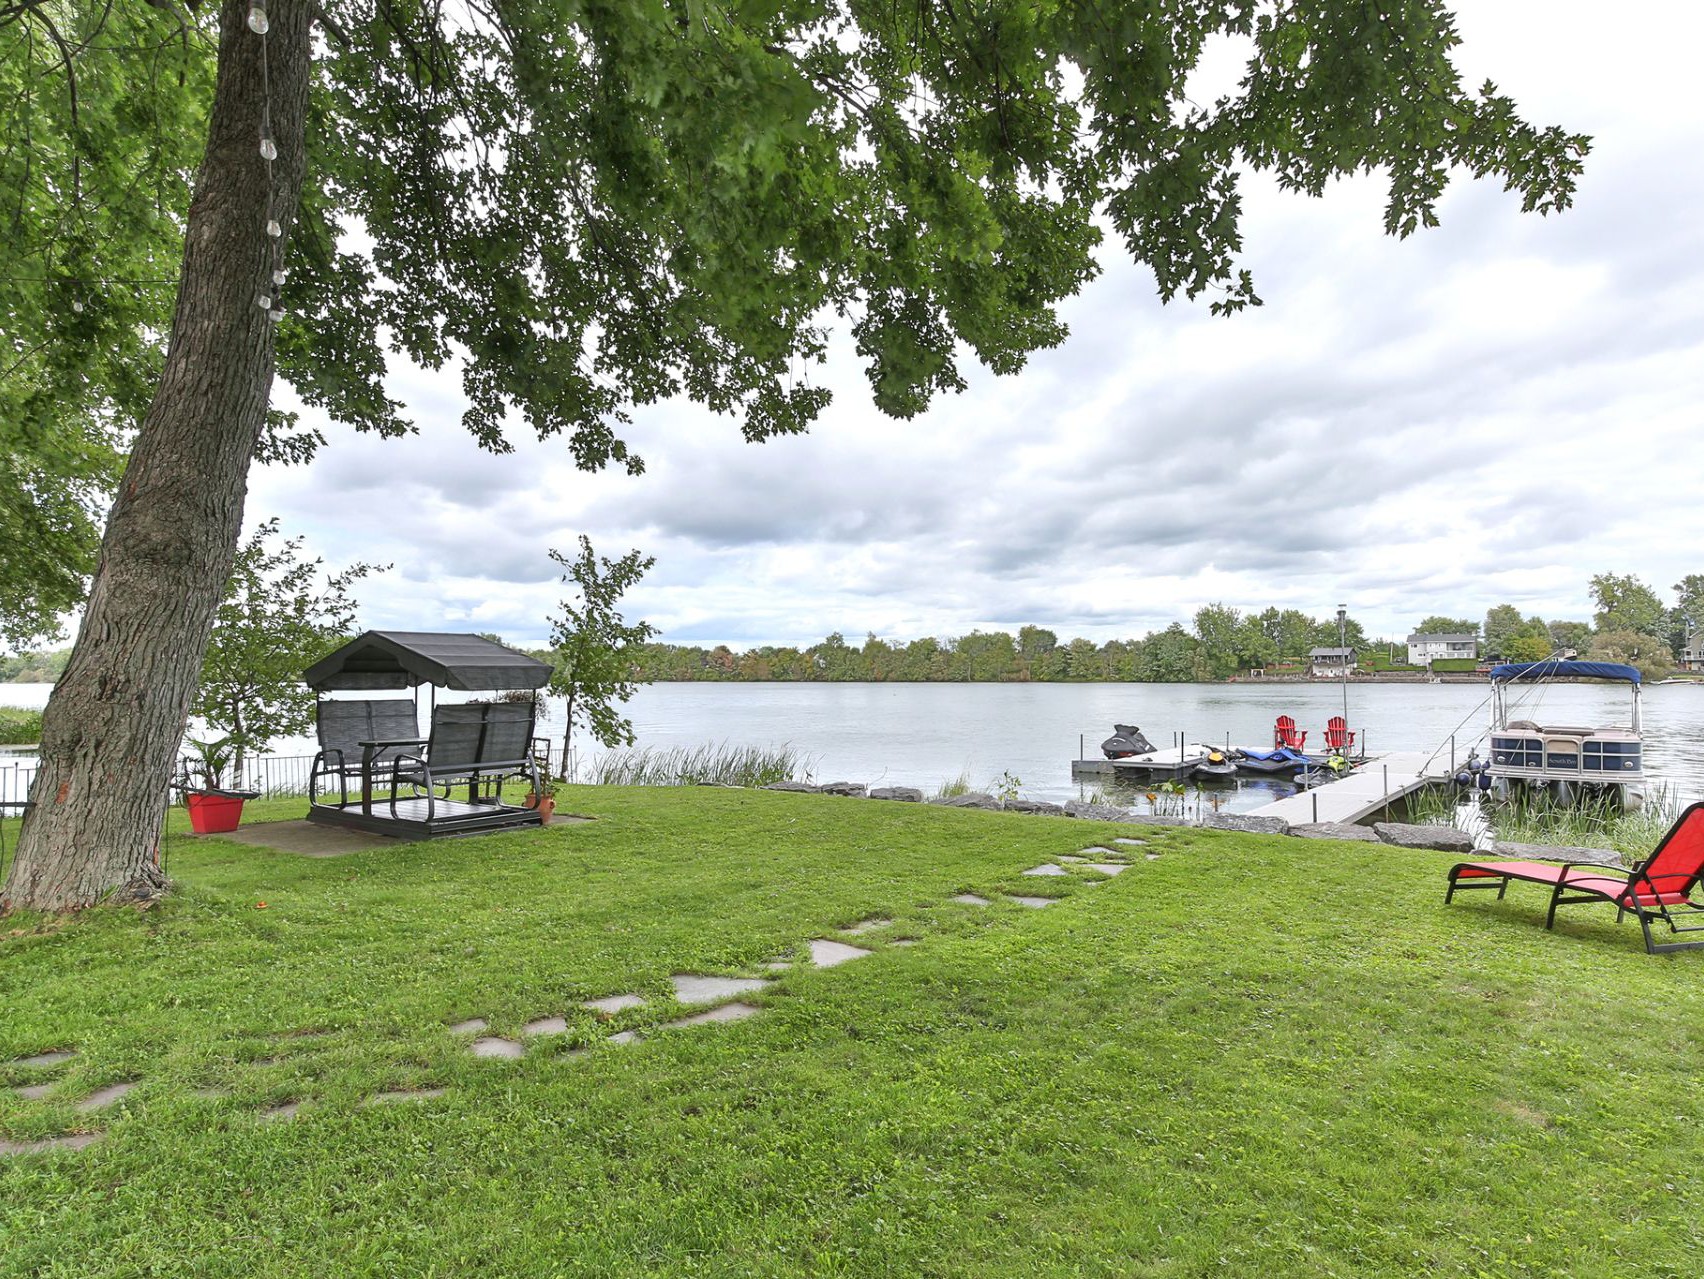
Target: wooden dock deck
(1168, 762)
(1382, 780)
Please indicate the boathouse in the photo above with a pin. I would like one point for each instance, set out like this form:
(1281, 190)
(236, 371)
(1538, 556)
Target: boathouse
(1331, 663)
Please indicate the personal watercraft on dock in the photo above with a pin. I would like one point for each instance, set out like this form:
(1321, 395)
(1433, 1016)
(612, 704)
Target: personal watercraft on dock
(1278, 762)
(1126, 741)
(1217, 765)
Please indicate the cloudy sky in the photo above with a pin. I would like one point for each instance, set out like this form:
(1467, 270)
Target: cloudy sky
(1487, 412)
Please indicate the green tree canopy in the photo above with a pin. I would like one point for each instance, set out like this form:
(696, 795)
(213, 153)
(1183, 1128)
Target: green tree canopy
(280, 615)
(1624, 603)
(1446, 626)
(594, 649)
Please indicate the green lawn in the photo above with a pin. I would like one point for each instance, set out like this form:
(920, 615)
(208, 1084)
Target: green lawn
(1251, 1056)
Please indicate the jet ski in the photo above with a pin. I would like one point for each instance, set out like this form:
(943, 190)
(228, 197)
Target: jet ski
(1332, 767)
(1273, 763)
(1126, 740)
(1216, 765)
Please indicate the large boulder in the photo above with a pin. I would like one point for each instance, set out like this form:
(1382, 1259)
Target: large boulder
(1552, 853)
(1038, 806)
(905, 794)
(804, 787)
(1088, 812)
(852, 790)
(970, 799)
(1445, 839)
(1334, 830)
(1248, 823)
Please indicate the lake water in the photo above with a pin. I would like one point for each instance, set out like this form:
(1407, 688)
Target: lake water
(924, 734)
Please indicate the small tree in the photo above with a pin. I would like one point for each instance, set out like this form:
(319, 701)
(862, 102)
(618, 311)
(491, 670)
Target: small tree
(595, 648)
(276, 619)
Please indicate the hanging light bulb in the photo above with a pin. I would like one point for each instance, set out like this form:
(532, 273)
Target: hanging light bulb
(280, 275)
(273, 229)
(264, 301)
(257, 21)
(268, 149)
(77, 307)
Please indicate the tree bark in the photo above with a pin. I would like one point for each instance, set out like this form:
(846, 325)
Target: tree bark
(112, 728)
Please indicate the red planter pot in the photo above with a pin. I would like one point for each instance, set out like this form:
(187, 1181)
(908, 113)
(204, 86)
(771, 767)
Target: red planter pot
(213, 814)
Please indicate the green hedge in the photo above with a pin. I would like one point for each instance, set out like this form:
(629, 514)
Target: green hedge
(19, 727)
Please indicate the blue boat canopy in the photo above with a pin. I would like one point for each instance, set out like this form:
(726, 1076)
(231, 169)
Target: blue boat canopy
(1560, 669)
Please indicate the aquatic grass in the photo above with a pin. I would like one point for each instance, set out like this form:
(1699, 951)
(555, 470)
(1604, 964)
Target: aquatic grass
(954, 786)
(712, 764)
(1534, 817)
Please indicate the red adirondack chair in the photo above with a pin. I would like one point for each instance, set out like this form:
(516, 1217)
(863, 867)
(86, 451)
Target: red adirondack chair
(1284, 734)
(1337, 735)
(1659, 889)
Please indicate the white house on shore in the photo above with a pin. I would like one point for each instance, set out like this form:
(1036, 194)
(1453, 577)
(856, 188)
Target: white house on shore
(1424, 647)
(1692, 656)
(1331, 663)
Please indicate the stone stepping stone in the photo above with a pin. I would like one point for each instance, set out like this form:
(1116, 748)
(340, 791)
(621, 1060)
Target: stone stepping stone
(1069, 859)
(828, 954)
(692, 988)
(970, 899)
(727, 1012)
(624, 1037)
(778, 965)
(866, 926)
(1034, 903)
(497, 1049)
(286, 1111)
(104, 1096)
(33, 1092)
(1101, 850)
(545, 1026)
(904, 941)
(45, 1059)
(1106, 868)
(612, 1004)
(1132, 843)
(1153, 857)
(472, 1026)
(1047, 868)
(70, 1141)
(403, 1094)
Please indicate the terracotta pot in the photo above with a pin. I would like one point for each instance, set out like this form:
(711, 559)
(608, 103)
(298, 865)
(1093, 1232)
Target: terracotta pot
(546, 806)
(213, 814)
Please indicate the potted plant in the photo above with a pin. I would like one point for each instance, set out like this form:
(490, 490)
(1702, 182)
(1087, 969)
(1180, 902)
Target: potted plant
(213, 808)
(543, 798)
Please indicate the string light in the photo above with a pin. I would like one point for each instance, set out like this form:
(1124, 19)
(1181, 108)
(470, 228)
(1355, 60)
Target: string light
(272, 250)
(268, 149)
(273, 229)
(257, 21)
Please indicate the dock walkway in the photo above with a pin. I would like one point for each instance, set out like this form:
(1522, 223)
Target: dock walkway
(1382, 780)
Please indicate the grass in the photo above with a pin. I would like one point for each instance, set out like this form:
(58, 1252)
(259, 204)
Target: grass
(1252, 1055)
(708, 765)
(19, 727)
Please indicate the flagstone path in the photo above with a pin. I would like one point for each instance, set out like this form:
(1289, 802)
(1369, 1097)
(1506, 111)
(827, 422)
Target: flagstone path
(1091, 867)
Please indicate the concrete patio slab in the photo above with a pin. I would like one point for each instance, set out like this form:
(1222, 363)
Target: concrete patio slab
(104, 1096)
(612, 1004)
(693, 988)
(70, 1141)
(44, 1059)
(829, 954)
(866, 926)
(727, 1012)
(403, 1094)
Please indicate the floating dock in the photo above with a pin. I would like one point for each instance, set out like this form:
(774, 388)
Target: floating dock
(1376, 784)
(1174, 761)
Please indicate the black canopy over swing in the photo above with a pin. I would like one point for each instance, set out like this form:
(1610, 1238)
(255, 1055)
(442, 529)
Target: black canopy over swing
(375, 743)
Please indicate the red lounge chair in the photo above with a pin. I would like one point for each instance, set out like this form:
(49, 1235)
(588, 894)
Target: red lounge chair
(1337, 735)
(1659, 888)
(1284, 734)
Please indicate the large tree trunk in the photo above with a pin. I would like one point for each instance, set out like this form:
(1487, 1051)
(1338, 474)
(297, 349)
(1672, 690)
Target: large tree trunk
(111, 732)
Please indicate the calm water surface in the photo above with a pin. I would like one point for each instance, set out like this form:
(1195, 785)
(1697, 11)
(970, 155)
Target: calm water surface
(924, 734)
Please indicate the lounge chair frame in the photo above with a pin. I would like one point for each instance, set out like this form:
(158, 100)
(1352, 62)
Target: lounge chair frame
(1652, 892)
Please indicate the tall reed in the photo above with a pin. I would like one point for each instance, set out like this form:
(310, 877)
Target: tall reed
(717, 764)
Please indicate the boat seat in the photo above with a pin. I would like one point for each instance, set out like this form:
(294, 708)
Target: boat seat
(1521, 726)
